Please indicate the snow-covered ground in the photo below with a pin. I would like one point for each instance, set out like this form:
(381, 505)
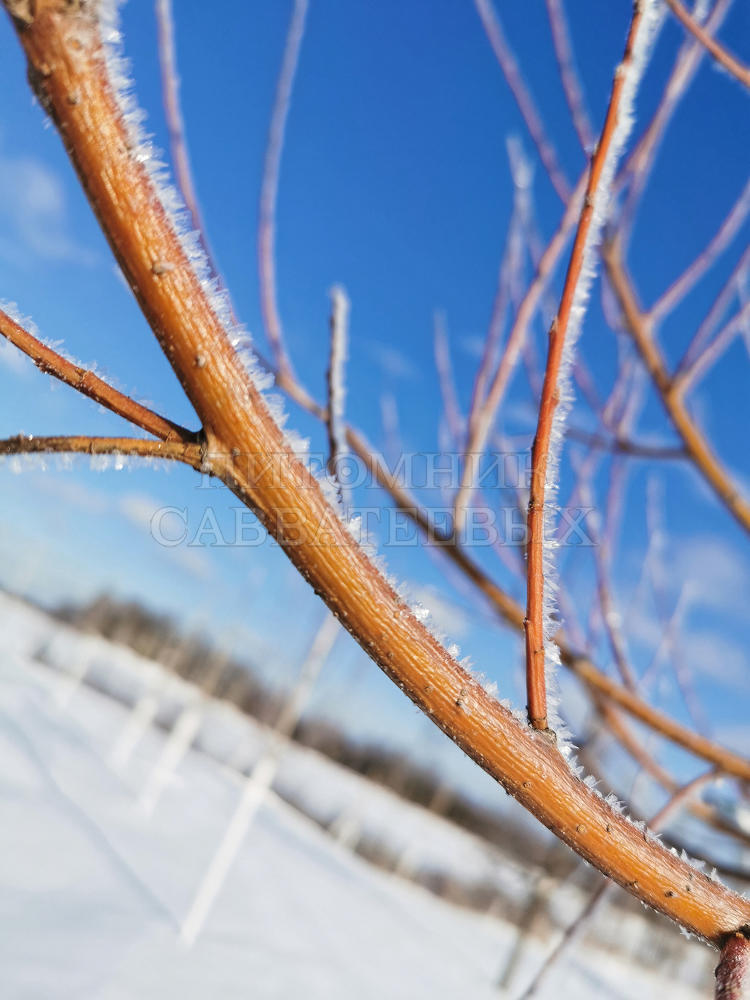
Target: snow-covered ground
(106, 834)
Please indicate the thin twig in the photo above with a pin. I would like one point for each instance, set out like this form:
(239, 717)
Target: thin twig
(512, 613)
(730, 63)
(88, 384)
(485, 415)
(569, 74)
(713, 350)
(446, 380)
(170, 84)
(695, 271)
(729, 289)
(270, 187)
(177, 451)
(637, 167)
(509, 65)
(626, 446)
(510, 262)
(535, 652)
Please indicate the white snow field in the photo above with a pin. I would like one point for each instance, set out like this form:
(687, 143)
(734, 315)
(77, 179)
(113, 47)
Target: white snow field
(107, 830)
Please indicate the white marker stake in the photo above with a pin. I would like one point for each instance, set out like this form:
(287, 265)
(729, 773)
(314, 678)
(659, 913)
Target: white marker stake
(175, 747)
(253, 794)
(180, 739)
(144, 712)
(72, 680)
(140, 719)
(257, 784)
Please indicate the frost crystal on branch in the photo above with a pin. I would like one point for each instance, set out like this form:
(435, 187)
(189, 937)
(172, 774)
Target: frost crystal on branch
(337, 384)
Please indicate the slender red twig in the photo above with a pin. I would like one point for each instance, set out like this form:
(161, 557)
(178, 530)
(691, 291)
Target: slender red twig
(730, 63)
(91, 385)
(534, 624)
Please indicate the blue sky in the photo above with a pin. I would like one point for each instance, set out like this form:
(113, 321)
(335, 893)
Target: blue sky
(395, 183)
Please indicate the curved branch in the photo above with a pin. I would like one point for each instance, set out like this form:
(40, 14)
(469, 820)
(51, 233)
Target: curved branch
(242, 436)
(669, 389)
(88, 384)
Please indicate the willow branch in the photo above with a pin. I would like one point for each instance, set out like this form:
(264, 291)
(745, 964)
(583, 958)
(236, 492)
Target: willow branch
(88, 384)
(697, 447)
(176, 451)
(240, 433)
(619, 730)
(730, 63)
